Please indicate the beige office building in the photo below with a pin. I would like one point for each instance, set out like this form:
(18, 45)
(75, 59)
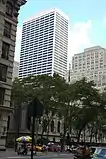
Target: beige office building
(8, 27)
(90, 64)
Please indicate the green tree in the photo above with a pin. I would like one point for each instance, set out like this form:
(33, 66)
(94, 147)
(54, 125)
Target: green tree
(89, 105)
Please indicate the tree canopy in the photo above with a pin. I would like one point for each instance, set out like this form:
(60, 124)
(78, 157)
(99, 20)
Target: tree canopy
(80, 104)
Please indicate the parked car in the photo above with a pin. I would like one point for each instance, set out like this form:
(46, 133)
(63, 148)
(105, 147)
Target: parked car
(82, 153)
(100, 153)
(37, 148)
(54, 148)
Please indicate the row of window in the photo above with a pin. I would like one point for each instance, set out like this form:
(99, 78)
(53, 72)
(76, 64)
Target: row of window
(36, 38)
(34, 70)
(5, 51)
(6, 48)
(40, 58)
(40, 19)
(88, 56)
(30, 67)
(39, 25)
(35, 30)
(25, 74)
(40, 73)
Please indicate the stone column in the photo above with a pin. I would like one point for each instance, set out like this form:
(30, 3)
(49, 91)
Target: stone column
(11, 124)
(3, 130)
(23, 120)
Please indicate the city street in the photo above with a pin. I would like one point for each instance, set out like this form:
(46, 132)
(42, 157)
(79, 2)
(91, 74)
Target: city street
(13, 155)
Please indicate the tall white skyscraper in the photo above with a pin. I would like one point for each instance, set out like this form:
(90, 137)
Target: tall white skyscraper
(44, 45)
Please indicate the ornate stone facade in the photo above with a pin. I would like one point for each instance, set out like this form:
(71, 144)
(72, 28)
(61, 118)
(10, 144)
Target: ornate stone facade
(8, 27)
(54, 129)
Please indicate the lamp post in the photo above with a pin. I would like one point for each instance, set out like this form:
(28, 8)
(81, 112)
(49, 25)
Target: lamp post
(35, 110)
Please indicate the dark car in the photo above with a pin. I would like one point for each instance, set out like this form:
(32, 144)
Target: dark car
(100, 153)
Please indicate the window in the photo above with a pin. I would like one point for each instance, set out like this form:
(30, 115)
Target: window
(2, 91)
(5, 50)
(9, 8)
(52, 126)
(58, 127)
(3, 72)
(8, 123)
(7, 29)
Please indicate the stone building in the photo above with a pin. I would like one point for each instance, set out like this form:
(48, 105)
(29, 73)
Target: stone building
(8, 27)
(20, 125)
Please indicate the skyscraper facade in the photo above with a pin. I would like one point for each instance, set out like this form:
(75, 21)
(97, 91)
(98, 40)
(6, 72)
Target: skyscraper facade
(44, 45)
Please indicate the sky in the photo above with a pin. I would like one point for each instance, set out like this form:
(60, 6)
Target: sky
(87, 22)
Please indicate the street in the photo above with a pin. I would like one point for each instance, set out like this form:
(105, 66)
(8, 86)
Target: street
(13, 155)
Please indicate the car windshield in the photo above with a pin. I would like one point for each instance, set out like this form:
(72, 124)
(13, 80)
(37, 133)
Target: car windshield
(100, 152)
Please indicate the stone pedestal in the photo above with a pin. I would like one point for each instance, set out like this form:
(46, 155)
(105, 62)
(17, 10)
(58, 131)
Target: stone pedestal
(3, 130)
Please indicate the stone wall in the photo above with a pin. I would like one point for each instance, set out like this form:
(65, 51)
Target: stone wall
(5, 107)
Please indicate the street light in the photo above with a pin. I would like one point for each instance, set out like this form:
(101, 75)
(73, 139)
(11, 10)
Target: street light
(35, 110)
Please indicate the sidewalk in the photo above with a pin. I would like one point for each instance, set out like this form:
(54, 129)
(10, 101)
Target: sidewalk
(8, 152)
(11, 152)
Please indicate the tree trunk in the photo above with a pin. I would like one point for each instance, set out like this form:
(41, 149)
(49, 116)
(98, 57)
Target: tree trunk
(36, 129)
(42, 134)
(64, 137)
(78, 137)
(48, 129)
(84, 136)
(91, 134)
(42, 129)
(96, 134)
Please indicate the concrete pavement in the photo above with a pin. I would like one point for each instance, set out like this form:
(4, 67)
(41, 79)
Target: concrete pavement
(10, 154)
(40, 157)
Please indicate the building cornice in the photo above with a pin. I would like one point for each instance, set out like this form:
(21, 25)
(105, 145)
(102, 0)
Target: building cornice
(20, 2)
(7, 109)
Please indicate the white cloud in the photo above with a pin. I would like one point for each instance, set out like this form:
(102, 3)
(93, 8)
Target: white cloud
(79, 38)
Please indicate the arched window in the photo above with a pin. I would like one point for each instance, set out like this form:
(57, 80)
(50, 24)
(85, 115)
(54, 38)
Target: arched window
(52, 126)
(58, 127)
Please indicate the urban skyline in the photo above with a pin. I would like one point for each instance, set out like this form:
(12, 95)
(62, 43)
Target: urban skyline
(84, 26)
